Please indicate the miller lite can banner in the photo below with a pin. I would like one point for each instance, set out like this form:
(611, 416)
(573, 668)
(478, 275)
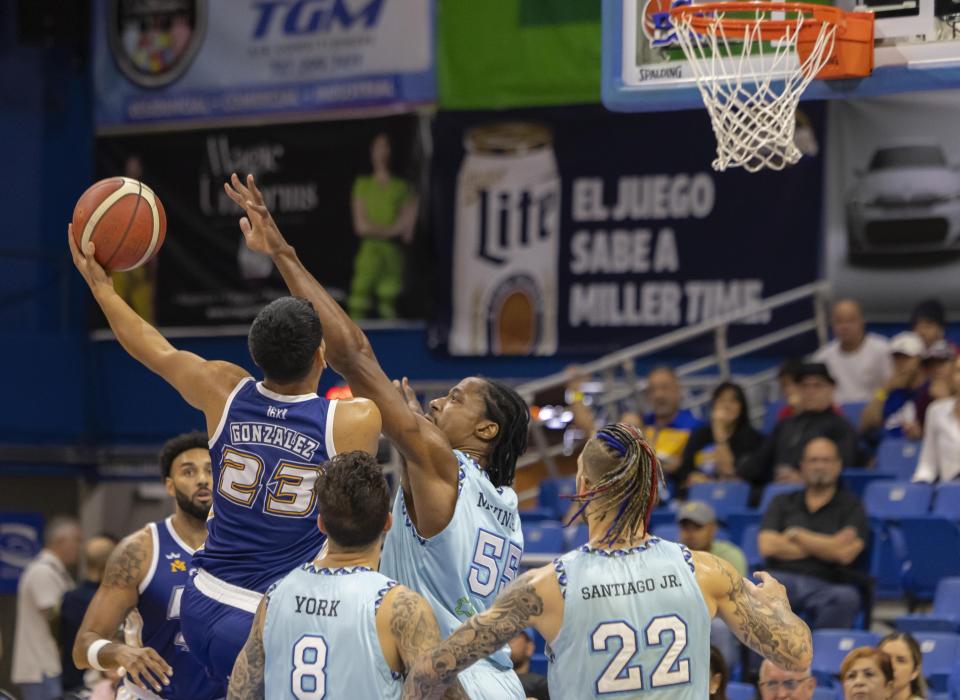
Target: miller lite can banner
(176, 61)
(577, 230)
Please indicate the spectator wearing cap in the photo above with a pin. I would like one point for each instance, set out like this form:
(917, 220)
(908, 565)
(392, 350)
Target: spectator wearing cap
(858, 361)
(812, 537)
(698, 532)
(929, 321)
(899, 408)
(780, 454)
(940, 451)
(938, 365)
(521, 650)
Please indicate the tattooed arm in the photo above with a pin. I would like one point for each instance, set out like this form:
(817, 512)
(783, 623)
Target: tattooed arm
(118, 594)
(534, 599)
(246, 681)
(760, 616)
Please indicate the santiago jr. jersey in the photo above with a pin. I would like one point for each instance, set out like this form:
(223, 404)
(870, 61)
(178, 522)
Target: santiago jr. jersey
(460, 570)
(156, 621)
(320, 636)
(266, 456)
(634, 621)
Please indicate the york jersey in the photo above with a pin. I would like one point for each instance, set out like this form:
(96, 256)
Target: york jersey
(156, 621)
(634, 622)
(266, 456)
(320, 636)
(460, 570)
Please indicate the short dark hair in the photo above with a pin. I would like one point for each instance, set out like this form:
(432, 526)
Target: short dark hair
(284, 337)
(719, 665)
(353, 499)
(176, 446)
(509, 411)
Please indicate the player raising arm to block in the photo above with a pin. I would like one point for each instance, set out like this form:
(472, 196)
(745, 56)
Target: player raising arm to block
(627, 612)
(458, 537)
(268, 440)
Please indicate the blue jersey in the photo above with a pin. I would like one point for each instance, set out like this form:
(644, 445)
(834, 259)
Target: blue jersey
(320, 636)
(266, 456)
(156, 621)
(634, 623)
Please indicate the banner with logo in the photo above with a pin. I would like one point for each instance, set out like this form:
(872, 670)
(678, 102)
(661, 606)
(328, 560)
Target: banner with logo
(893, 202)
(345, 194)
(579, 230)
(180, 61)
(21, 537)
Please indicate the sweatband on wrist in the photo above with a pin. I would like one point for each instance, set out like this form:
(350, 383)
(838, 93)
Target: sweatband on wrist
(92, 652)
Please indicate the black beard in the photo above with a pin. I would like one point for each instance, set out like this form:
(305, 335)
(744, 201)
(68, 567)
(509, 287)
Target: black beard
(195, 511)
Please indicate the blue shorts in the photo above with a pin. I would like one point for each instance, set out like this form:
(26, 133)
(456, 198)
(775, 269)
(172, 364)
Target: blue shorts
(214, 631)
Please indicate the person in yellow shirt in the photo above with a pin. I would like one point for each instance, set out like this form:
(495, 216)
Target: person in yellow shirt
(667, 427)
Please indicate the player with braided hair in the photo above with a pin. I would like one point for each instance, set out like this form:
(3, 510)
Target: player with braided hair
(627, 612)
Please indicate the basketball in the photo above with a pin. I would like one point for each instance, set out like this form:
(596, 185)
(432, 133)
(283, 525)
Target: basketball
(124, 219)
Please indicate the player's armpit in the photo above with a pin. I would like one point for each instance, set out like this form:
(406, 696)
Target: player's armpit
(356, 426)
(247, 678)
(204, 384)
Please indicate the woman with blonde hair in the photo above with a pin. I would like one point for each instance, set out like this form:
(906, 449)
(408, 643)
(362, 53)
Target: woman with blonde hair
(904, 653)
(867, 674)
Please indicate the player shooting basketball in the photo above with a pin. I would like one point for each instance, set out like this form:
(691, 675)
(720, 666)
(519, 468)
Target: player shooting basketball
(458, 537)
(627, 612)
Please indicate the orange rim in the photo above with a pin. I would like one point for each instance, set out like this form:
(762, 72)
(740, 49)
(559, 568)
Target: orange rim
(703, 17)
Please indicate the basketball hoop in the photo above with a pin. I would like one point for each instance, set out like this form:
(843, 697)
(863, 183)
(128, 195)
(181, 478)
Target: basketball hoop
(753, 60)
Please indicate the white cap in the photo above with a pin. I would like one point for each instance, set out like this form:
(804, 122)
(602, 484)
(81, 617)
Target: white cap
(907, 343)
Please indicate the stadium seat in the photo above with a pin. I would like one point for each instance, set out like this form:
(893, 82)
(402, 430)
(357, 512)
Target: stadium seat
(661, 515)
(856, 479)
(543, 538)
(940, 651)
(724, 497)
(771, 491)
(933, 553)
(751, 551)
(551, 494)
(852, 412)
(893, 500)
(888, 554)
(538, 664)
(822, 693)
(536, 515)
(668, 531)
(945, 616)
(946, 500)
(831, 646)
(898, 456)
(739, 521)
(577, 536)
(740, 691)
(770, 412)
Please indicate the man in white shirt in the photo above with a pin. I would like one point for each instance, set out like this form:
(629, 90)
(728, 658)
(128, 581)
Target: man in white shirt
(940, 452)
(858, 361)
(36, 659)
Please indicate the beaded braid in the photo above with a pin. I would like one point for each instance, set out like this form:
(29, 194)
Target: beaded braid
(631, 487)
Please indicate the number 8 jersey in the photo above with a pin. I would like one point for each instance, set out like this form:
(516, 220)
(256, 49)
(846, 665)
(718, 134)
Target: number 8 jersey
(266, 456)
(634, 620)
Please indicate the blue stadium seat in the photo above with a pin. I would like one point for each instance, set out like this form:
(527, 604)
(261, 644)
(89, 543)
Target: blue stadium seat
(898, 456)
(822, 693)
(536, 515)
(946, 500)
(538, 664)
(852, 412)
(740, 691)
(724, 496)
(543, 538)
(893, 500)
(551, 494)
(739, 521)
(831, 646)
(771, 491)
(888, 554)
(933, 553)
(577, 536)
(661, 515)
(750, 549)
(770, 411)
(856, 479)
(668, 531)
(940, 651)
(945, 616)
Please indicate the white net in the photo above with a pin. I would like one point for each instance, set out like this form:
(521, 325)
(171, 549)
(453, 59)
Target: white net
(751, 85)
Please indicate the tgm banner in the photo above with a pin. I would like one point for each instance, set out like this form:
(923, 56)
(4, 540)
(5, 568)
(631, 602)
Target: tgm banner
(175, 61)
(582, 231)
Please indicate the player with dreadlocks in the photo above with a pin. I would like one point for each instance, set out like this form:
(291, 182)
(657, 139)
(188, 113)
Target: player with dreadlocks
(627, 612)
(457, 538)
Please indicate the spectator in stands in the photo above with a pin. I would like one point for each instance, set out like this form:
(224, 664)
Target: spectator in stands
(777, 684)
(521, 650)
(698, 531)
(716, 450)
(780, 454)
(812, 537)
(857, 360)
(866, 674)
(75, 603)
(789, 389)
(899, 408)
(719, 674)
(907, 662)
(36, 660)
(938, 366)
(929, 321)
(667, 426)
(940, 451)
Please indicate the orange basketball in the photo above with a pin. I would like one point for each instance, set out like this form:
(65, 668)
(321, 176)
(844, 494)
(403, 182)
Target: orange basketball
(124, 219)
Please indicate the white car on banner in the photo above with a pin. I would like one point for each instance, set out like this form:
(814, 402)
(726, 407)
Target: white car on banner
(907, 201)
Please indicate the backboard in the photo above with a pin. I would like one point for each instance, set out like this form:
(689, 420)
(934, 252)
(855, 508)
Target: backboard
(917, 47)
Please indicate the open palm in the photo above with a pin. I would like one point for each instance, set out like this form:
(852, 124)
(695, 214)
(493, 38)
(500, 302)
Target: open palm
(259, 230)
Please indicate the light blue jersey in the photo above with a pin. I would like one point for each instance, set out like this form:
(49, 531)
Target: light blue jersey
(320, 636)
(634, 623)
(460, 570)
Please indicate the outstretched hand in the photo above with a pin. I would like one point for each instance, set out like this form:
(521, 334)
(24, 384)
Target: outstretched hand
(260, 231)
(770, 590)
(93, 274)
(408, 394)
